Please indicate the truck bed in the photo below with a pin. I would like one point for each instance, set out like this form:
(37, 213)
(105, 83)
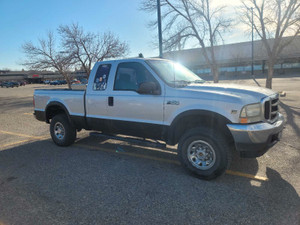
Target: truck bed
(73, 100)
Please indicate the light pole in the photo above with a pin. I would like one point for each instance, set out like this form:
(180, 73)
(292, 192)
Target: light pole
(252, 47)
(252, 50)
(159, 29)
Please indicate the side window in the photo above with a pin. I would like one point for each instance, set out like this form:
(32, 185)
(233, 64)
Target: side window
(101, 77)
(131, 75)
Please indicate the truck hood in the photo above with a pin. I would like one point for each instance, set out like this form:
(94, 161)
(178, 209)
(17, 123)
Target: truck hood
(242, 92)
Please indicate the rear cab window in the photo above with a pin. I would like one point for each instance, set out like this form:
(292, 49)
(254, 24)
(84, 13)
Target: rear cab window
(101, 77)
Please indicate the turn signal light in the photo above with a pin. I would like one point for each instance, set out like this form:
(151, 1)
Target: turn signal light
(244, 120)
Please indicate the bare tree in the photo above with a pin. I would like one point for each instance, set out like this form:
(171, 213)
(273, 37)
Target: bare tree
(272, 20)
(44, 56)
(192, 19)
(87, 48)
(78, 44)
(109, 46)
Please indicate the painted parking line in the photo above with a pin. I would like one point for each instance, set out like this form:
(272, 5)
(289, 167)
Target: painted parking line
(16, 143)
(128, 153)
(240, 174)
(11, 144)
(229, 172)
(155, 149)
(28, 114)
(24, 135)
(29, 138)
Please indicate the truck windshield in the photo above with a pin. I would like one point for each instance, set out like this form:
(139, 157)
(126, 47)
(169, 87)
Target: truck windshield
(174, 74)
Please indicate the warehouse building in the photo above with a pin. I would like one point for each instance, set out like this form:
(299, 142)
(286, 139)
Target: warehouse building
(235, 59)
(36, 76)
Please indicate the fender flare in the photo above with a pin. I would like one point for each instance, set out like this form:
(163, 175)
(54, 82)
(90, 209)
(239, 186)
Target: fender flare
(59, 105)
(172, 131)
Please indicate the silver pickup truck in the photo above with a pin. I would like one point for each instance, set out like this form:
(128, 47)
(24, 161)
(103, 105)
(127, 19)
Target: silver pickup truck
(162, 100)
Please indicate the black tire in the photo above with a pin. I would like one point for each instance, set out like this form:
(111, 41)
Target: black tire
(58, 123)
(211, 145)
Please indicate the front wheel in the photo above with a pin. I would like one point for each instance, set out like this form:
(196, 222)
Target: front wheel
(204, 152)
(62, 131)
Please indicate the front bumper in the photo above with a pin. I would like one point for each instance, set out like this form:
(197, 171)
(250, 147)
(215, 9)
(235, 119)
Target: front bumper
(253, 140)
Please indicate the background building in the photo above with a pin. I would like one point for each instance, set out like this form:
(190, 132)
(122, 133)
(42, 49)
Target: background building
(36, 76)
(235, 59)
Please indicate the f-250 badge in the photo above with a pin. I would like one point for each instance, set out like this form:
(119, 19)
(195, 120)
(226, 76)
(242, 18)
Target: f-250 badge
(173, 102)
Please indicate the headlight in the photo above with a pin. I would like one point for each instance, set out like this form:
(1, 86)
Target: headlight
(251, 113)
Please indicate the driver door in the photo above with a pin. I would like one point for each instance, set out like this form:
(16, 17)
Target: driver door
(131, 112)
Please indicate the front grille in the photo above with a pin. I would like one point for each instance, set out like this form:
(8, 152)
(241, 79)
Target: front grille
(271, 108)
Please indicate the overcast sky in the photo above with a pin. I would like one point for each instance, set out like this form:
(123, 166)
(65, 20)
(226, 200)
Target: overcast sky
(29, 20)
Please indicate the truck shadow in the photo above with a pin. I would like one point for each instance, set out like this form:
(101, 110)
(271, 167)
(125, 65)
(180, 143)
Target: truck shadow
(143, 150)
(75, 186)
(291, 112)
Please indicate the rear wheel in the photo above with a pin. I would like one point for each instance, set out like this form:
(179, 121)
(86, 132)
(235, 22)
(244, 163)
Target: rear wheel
(204, 152)
(62, 131)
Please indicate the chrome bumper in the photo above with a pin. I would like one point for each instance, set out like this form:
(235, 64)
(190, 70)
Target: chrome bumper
(257, 138)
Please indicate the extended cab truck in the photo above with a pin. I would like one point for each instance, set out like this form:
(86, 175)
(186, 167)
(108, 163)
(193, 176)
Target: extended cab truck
(162, 100)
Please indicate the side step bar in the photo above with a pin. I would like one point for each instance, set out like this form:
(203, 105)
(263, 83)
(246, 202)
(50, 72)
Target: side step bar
(130, 139)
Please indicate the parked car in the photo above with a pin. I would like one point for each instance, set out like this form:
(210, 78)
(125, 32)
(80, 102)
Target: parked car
(75, 81)
(22, 83)
(54, 82)
(63, 82)
(8, 84)
(16, 84)
(162, 100)
(83, 81)
(60, 82)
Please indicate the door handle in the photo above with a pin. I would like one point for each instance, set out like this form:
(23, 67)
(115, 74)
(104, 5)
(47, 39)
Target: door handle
(110, 101)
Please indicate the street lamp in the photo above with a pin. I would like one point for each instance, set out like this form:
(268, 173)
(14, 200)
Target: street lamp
(252, 48)
(159, 29)
(252, 51)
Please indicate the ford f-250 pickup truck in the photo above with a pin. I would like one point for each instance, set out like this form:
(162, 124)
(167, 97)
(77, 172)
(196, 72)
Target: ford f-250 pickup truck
(163, 100)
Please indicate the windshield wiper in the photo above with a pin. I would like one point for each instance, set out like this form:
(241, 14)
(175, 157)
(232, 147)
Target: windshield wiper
(198, 81)
(184, 83)
(181, 83)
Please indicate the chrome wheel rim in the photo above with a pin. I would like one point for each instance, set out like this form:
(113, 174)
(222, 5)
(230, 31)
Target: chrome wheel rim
(59, 131)
(201, 155)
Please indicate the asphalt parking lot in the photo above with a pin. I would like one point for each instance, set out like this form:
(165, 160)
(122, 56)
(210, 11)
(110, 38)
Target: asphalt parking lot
(103, 181)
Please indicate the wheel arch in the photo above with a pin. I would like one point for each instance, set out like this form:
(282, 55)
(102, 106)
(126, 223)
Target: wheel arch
(195, 118)
(54, 108)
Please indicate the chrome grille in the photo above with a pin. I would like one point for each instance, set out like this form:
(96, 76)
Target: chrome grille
(271, 108)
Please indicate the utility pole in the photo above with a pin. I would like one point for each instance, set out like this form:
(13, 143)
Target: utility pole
(252, 51)
(159, 29)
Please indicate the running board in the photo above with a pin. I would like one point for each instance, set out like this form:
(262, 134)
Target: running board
(129, 139)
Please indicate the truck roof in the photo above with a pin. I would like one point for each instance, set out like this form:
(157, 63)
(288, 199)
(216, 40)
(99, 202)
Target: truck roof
(131, 59)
